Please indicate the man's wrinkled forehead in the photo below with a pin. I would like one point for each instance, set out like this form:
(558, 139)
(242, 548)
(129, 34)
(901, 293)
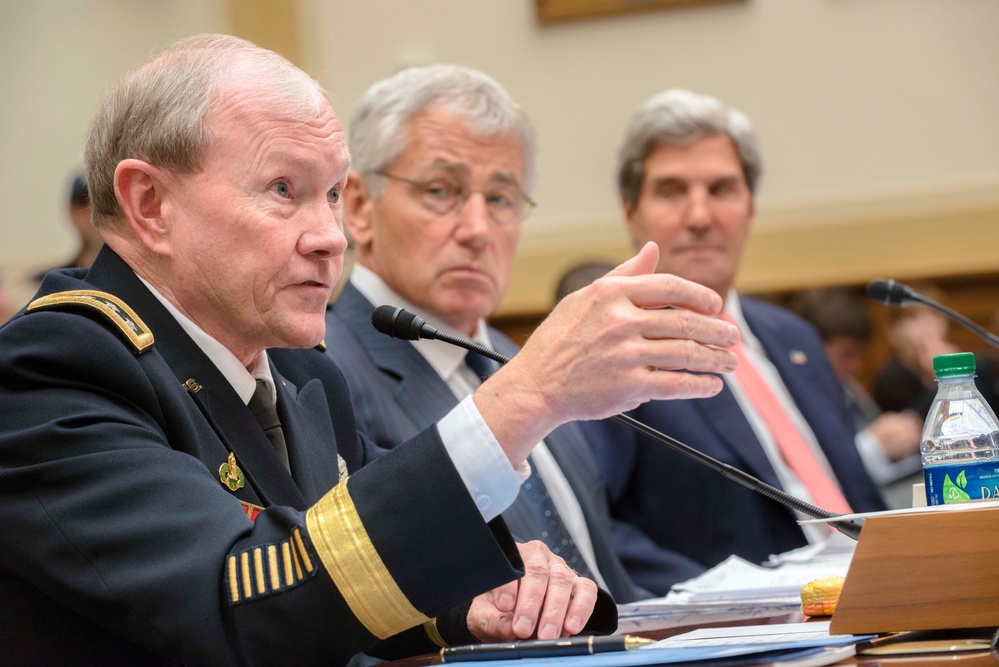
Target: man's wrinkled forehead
(255, 116)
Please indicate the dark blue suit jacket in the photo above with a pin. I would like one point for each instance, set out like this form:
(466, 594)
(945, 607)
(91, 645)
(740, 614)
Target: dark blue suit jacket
(397, 393)
(120, 544)
(685, 506)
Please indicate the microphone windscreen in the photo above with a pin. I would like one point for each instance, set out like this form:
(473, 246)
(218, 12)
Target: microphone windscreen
(397, 323)
(888, 292)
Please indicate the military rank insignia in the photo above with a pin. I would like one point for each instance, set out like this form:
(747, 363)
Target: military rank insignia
(230, 474)
(111, 307)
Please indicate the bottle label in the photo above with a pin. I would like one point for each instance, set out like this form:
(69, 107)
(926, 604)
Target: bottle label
(962, 482)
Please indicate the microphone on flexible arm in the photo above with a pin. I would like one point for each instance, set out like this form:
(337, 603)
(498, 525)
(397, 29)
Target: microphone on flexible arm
(891, 293)
(400, 323)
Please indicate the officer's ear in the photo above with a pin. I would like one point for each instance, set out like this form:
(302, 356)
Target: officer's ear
(143, 193)
(357, 208)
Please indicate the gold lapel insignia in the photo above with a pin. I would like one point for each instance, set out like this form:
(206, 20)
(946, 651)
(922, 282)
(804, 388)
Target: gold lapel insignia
(231, 475)
(193, 385)
(798, 358)
(341, 467)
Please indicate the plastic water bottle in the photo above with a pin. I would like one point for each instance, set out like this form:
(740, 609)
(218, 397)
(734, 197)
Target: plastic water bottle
(960, 443)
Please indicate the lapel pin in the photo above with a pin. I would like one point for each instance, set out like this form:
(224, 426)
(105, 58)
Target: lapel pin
(798, 358)
(231, 475)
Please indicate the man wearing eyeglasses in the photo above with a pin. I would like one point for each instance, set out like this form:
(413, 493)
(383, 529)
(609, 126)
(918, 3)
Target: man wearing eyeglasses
(443, 163)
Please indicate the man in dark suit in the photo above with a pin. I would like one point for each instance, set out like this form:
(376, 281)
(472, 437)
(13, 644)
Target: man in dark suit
(181, 481)
(425, 242)
(688, 170)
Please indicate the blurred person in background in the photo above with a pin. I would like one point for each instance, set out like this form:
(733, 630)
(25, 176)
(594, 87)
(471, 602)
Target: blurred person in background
(579, 276)
(88, 242)
(917, 334)
(89, 239)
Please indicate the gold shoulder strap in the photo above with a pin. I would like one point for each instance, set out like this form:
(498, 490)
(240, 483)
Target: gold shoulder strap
(113, 308)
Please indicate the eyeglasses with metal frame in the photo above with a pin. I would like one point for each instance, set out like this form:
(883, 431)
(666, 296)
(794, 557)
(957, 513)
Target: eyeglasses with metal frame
(506, 203)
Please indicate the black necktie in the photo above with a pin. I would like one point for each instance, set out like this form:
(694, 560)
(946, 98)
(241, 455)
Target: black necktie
(482, 366)
(553, 530)
(265, 412)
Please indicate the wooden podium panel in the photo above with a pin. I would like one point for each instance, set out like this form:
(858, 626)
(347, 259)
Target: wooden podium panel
(927, 571)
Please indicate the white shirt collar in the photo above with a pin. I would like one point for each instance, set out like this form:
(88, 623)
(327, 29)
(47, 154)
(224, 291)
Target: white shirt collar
(446, 359)
(733, 306)
(242, 380)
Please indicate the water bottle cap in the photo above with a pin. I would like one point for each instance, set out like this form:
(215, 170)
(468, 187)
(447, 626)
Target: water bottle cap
(959, 363)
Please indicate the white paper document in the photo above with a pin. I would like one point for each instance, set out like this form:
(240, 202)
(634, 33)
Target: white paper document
(738, 583)
(778, 633)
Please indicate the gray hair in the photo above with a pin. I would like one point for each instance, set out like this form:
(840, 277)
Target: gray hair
(379, 127)
(677, 118)
(159, 112)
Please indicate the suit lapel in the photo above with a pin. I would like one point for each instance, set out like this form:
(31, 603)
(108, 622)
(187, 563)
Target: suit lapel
(420, 392)
(723, 415)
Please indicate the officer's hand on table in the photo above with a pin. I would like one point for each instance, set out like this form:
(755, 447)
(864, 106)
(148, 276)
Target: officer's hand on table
(549, 601)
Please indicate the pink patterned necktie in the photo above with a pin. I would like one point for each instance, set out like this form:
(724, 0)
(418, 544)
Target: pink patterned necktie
(792, 445)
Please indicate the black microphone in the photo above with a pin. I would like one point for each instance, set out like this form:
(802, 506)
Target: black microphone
(400, 323)
(892, 293)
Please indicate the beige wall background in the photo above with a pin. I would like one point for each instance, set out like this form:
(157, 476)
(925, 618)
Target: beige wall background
(879, 119)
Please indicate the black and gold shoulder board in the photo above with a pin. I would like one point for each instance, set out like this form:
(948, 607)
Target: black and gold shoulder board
(114, 309)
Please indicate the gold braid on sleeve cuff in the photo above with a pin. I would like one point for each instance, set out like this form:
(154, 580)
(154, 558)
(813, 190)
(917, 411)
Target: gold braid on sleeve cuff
(357, 570)
(430, 627)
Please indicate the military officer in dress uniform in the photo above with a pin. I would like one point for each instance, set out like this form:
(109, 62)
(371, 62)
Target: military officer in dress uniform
(181, 481)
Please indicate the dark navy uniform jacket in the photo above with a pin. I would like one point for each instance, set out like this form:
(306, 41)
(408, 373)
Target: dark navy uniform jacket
(687, 507)
(122, 541)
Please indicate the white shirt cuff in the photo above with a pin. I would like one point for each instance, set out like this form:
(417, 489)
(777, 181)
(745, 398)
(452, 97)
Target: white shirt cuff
(487, 473)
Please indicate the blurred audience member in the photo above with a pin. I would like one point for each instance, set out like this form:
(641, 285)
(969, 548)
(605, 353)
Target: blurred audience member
(917, 334)
(89, 239)
(888, 441)
(579, 276)
(987, 367)
(88, 244)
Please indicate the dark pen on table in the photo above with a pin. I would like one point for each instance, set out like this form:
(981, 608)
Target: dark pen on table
(542, 648)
